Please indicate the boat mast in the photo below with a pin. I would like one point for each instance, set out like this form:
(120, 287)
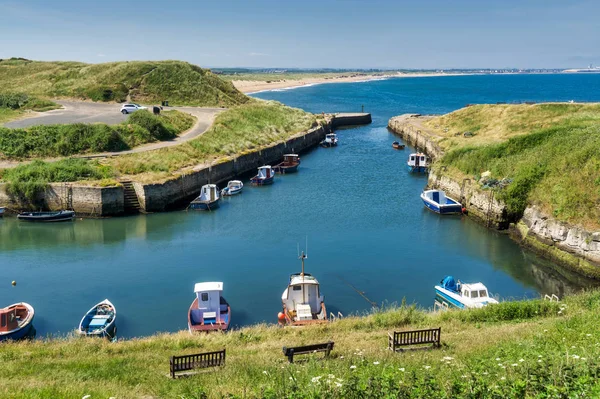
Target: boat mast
(302, 257)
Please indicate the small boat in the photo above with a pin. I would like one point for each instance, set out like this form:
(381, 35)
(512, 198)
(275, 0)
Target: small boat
(289, 165)
(437, 201)
(451, 294)
(234, 187)
(100, 321)
(209, 310)
(302, 301)
(330, 140)
(418, 162)
(208, 199)
(16, 321)
(1, 211)
(397, 146)
(59, 216)
(264, 177)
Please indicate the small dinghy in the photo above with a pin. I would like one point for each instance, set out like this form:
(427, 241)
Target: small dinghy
(452, 294)
(264, 177)
(209, 310)
(16, 321)
(289, 165)
(1, 211)
(100, 321)
(397, 146)
(437, 201)
(59, 216)
(208, 199)
(234, 187)
(418, 163)
(330, 140)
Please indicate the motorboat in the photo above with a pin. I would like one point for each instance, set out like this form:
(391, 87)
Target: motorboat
(418, 163)
(289, 165)
(208, 199)
(209, 311)
(264, 177)
(452, 294)
(330, 140)
(234, 187)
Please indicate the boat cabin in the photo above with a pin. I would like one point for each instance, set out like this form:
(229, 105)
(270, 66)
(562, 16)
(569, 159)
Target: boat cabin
(418, 160)
(234, 185)
(330, 138)
(290, 159)
(303, 296)
(209, 192)
(265, 172)
(10, 317)
(209, 303)
(476, 291)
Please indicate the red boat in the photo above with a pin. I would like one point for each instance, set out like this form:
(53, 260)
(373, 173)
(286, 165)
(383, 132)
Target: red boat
(209, 310)
(289, 165)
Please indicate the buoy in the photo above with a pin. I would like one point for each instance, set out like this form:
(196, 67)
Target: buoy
(464, 210)
(14, 283)
(281, 317)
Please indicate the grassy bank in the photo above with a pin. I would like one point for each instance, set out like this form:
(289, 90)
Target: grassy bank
(178, 82)
(513, 350)
(80, 138)
(14, 105)
(549, 153)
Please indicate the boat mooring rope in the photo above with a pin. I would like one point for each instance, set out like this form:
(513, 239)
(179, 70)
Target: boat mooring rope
(361, 293)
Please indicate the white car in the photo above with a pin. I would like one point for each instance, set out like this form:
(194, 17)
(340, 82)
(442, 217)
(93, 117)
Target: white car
(129, 108)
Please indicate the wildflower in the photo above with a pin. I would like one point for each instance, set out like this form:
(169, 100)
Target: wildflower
(521, 360)
(539, 360)
(265, 372)
(331, 376)
(575, 357)
(291, 378)
(426, 367)
(448, 358)
(352, 367)
(375, 363)
(514, 364)
(545, 330)
(341, 357)
(497, 359)
(540, 356)
(315, 380)
(588, 335)
(573, 347)
(485, 373)
(464, 376)
(401, 369)
(503, 378)
(87, 396)
(500, 365)
(338, 384)
(583, 358)
(560, 312)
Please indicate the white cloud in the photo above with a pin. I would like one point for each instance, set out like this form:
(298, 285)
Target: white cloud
(257, 54)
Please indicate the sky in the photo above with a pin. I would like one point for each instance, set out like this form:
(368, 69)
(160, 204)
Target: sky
(394, 34)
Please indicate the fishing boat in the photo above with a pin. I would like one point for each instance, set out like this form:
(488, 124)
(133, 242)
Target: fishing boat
(330, 140)
(234, 187)
(452, 294)
(208, 199)
(209, 310)
(418, 163)
(302, 301)
(264, 177)
(16, 321)
(99, 321)
(437, 201)
(59, 216)
(397, 146)
(289, 165)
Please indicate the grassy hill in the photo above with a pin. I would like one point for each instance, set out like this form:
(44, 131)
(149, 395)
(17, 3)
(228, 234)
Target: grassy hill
(533, 349)
(549, 152)
(178, 82)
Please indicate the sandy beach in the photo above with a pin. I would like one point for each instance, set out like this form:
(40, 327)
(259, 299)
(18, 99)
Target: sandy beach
(253, 86)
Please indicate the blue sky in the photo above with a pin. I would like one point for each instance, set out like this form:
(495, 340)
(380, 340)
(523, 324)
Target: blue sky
(308, 33)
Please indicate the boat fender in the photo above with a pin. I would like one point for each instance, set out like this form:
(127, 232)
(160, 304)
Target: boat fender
(281, 317)
(464, 210)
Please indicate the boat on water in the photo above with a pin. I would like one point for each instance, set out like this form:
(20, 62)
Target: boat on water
(397, 146)
(16, 321)
(330, 140)
(208, 199)
(234, 187)
(209, 311)
(289, 165)
(264, 177)
(99, 321)
(302, 301)
(418, 163)
(58, 216)
(437, 201)
(1, 211)
(452, 294)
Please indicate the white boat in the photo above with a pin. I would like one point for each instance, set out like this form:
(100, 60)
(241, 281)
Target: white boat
(265, 176)
(302, 300)
(437, 201)
(330, 140)
(452, 294)
(209, 311)
(418, 162)
(208, 199)
(99, 321)
(234, 187)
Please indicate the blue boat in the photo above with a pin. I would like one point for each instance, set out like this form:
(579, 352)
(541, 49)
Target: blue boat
(437, 201)
(452, 294)
(208, 199)
(16, 321)
(99, 321)
(418, 163)
(234, 187)
(264, 177)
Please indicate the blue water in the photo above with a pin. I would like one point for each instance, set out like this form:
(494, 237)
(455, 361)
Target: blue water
(367, 229)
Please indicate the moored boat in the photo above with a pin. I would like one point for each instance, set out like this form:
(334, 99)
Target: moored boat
(418, 162)
(1, 211)
(302, 301)
(209, 311)
(452, 294)
(330, 140)
(208, 199)
(99, 321)
(59, 216)
(234, 187)
(397, 146)
(437, 201)
(264, 177)
(16, 321)
(289, 165)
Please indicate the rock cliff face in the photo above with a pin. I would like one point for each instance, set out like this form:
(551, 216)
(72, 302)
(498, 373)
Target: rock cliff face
(571, 246)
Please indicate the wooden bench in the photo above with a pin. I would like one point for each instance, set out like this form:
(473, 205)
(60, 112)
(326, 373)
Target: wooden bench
(327, 347)
(197, 361)
(417, 337)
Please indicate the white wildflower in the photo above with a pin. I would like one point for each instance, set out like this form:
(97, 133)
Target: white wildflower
(514, 364)
(291, 378)
(401, 369)
(545, 330)
(375, 363)
(575, 357)
(464, 376)
(583, 358)
(352, 367)
(87, 396)
(500, 365)
(426, 367)
(341, 357)
(448, 358)
(338, 384)
(503, 378)
(497, 359)
(265, 372)
(521, 360)
(573, 347)
(485, 373)
(539, 360)
(540, 356)
(315, 380)
(331, 376)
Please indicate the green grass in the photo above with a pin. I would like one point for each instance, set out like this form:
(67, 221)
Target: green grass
(178, 82)
(521, 349)
(550, 151)
(239, 129)
(64, 140)
(15, 105)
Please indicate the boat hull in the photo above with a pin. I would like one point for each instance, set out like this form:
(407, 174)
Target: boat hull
(328, 144)
(449, 298)
(109, 330)
(228, 193)
(46, 217)
(286, 169)
(417, 169)
(223, 325)
(262, 182)
(450, 209)
(24, 330)
(321, 318)
(205, 205)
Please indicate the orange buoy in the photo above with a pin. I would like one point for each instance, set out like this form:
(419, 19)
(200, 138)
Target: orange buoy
(281, 317)
(464, 210)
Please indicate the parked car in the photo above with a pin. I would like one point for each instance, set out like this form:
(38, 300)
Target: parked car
(129, 108)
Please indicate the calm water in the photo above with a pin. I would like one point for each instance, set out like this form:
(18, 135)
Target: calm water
(366, 227)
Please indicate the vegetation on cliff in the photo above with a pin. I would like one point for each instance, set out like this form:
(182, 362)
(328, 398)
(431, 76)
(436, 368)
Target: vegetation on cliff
(178, 82)
(512, 350)
(549, 152)
(15, 104)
